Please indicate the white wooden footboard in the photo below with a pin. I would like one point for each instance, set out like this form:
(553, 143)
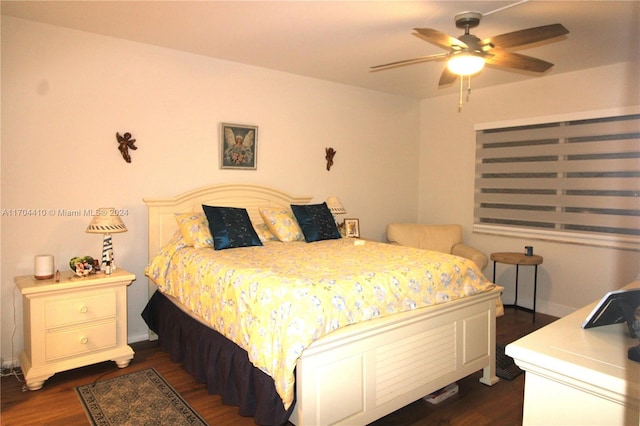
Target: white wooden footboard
(365, 371)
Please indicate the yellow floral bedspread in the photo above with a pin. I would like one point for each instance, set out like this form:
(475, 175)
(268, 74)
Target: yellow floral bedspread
(275, 300)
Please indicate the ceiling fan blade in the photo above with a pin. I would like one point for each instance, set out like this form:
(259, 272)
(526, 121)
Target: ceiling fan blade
(447, 77)
(530, 35)
(409, 62)
(438, 38)
(515, 60)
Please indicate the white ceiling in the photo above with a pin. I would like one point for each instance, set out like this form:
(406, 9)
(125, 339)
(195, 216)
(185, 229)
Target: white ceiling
(339, 40)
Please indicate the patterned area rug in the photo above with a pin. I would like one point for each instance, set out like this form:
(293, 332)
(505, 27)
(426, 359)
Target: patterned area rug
(506, 368)
(140, 398)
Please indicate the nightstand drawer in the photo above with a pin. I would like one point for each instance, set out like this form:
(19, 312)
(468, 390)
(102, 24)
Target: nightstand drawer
(77, 341)
(80, 308)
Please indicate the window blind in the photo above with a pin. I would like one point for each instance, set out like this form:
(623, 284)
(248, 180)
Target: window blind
(565, 180)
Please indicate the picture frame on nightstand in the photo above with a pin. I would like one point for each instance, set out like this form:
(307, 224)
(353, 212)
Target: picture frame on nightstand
(352, 228)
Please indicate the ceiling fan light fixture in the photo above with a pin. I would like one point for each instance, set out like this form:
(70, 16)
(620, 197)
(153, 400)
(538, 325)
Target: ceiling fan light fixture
(465, 63)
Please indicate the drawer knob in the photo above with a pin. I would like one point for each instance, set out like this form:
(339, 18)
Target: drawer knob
(84, 309)
(84, 340)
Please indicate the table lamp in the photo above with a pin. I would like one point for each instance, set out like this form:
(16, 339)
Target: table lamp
(336, 207)
(106, 222)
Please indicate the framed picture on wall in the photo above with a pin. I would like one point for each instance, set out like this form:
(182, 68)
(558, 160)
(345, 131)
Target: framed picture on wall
(238, 146)
(352, 228)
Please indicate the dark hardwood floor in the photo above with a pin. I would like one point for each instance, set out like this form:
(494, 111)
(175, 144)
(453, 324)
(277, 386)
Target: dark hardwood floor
(475, 404)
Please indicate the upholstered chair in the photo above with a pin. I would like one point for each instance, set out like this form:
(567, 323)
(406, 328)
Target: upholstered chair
(442, 238)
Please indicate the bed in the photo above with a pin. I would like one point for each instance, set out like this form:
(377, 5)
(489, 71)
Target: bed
(350, 372)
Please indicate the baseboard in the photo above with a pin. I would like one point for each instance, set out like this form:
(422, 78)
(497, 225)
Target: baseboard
(555, 309)
(544, 307)
(135, 338)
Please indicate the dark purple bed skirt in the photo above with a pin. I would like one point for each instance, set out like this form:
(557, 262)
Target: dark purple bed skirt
(216, 361)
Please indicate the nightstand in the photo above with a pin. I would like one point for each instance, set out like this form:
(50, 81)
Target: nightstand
(73, 323)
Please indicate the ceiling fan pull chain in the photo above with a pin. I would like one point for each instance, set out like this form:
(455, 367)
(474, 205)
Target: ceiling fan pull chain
(460, 102)
(468, 90)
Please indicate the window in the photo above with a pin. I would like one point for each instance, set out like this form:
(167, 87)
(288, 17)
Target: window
(575, 180)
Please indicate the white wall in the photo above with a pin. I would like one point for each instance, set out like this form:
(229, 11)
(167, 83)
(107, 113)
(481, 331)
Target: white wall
(571, 276)
(66, 93)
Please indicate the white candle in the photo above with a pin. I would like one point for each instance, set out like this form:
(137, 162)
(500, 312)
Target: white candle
(43, 266)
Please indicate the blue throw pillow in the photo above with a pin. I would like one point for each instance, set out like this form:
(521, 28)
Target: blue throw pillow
(230, 227)
(316, 221)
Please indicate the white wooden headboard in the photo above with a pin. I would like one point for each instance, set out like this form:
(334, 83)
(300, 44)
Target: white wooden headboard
(162, 223)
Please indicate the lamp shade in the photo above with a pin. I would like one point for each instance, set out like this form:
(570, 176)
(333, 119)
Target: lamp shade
(106, 221)
(465, 63)
(335, 206)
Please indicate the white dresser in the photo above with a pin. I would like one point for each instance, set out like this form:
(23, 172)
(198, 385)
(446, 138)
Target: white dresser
(579, 377)
(73, 323)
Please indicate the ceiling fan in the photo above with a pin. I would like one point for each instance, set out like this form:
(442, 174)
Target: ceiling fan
(468, 54)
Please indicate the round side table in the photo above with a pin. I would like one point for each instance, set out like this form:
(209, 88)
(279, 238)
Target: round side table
(511, 258)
